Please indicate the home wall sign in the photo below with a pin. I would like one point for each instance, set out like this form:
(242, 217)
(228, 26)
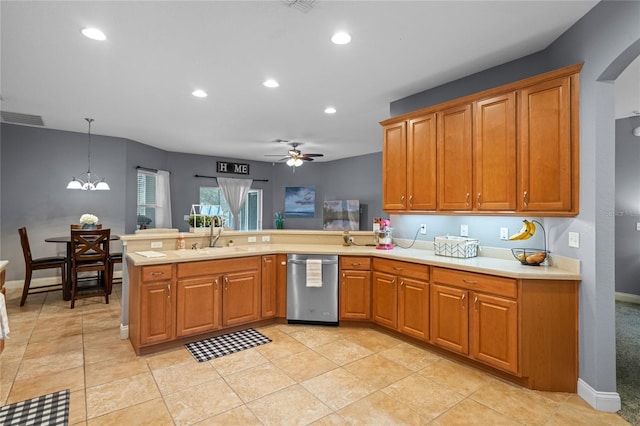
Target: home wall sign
(234, 168)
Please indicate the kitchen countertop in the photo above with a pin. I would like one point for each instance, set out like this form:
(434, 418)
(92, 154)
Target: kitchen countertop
(482, 264)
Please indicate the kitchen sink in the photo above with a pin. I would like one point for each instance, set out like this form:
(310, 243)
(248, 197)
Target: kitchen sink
(209, 251)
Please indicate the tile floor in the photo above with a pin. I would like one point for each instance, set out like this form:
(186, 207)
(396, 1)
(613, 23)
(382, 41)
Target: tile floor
(307, 375)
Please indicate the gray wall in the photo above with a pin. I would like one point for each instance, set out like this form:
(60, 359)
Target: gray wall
(606, 40)
(627, 211)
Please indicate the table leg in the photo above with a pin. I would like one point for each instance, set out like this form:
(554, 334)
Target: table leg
(66, 288)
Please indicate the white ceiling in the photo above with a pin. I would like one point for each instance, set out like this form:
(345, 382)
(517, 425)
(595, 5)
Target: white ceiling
(137, 84)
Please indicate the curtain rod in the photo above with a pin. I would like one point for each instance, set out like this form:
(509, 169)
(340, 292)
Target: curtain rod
(147, 169)
(215, 177)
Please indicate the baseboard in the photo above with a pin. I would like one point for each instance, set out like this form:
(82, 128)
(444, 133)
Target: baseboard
(626, 297)
(37, 282)
(602, 401)
(124, 332)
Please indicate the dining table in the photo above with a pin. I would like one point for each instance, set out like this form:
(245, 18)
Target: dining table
(66, 239)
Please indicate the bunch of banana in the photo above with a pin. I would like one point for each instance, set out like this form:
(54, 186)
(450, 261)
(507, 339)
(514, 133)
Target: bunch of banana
(526, 232)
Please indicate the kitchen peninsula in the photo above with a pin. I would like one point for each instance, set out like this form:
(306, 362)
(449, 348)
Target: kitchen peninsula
(517, 322)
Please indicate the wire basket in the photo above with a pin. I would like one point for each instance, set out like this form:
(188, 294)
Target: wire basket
(530, 256)
(455, 247)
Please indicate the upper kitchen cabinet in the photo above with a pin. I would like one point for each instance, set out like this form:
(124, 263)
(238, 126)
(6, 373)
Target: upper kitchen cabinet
(548, 148)
(510, 149)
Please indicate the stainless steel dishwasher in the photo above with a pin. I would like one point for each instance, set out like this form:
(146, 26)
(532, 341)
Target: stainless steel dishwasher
(312, 301)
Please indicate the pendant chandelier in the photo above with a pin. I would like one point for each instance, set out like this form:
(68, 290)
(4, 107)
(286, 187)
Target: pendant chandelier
(86, 181)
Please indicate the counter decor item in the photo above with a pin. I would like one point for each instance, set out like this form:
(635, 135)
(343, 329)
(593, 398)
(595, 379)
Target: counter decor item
(279, 222)
(529, 256)
(88, 221)
(460, 247)
(383, 235)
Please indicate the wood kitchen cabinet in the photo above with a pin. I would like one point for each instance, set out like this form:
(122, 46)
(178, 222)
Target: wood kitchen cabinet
(394, 166)
(241, 290)
(401, 296)
(199, 290)
(269, 286)
(355, 288)
(281, 285)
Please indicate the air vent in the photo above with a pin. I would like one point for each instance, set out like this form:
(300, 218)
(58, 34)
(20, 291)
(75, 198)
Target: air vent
(19, 118)
(301, 5)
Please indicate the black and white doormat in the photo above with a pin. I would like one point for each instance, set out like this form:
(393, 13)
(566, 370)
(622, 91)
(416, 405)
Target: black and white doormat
(208, 349)
(51, 409)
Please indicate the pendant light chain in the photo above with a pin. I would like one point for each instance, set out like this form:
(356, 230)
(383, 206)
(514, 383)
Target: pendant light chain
(89, 120)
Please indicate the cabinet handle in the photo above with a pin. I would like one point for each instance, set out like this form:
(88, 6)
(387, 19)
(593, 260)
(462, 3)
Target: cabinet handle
(283, 263)
(155, 274)
(393, 282)
(355, 264)
(479, 203)
(344, 275)
(402, 200)
(470, 281)
(169, 291)
(402, 283)
(226, 282)
(216, 284)
(462, 299)
(410, 200)
(524, 199)
(475, 303)
(466, 200)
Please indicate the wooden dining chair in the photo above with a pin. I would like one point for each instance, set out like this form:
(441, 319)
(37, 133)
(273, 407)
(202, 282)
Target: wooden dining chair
(113, 259)
(31, 264)
(90, 253)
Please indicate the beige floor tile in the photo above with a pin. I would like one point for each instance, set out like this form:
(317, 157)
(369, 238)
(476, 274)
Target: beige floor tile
(167, 358)
(101, 372)
(343, 351)
(575, 411)
(34, 367)
(64, 344)
(378, 370)
(410, 356)
(338, 388)
(237, 362)
(77, 407)
(72, 379)
(185, 375)
(373, 340)
(331, 420)
(119, 394)
(13, 352)
(304, 365)
(47, 334)
(237, 416)
(258, 381)
(100, 320)
(456, 377)
(201, 402)
(380, 409)
(527, 407)
(426, 397)
(151, 413)
(291, 406)
(470, 412)
(111, 350)
(8, 371)
(281, 346)
(313, 336)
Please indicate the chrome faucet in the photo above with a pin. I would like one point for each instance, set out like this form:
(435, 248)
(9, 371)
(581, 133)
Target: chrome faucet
(213, 239)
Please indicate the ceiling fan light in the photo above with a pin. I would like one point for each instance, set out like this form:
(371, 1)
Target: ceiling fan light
(271, 83)
(291, 162)
(341, 37)
(94, 34)
(298, 162)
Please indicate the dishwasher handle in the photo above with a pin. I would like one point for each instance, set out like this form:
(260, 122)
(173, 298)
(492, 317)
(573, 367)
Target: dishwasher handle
(304, 262)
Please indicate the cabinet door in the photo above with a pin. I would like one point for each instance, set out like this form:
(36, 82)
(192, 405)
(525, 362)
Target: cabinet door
(545, 148)
(421, 163)
(413, 308)
(269, 283)
(281, 286)
(198, 305)
(241, 298)
(156, 312)
(355, 295)
(454, 158)
(449, 318)
(385, 299)
(494, 153)
(494, 331)
(394, 167)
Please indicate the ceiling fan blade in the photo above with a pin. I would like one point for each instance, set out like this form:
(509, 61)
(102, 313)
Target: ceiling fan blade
(305, 158)
(312, 155)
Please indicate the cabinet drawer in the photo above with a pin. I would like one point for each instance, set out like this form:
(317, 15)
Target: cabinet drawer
(156, 273)
(213, 267)
(405, 269)
(355, 263)
(478, 282)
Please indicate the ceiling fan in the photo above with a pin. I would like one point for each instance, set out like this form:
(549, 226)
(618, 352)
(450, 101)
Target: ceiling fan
(294, 157)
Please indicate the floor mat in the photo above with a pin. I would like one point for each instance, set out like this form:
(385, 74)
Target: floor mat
(208, 349)
(51, 409)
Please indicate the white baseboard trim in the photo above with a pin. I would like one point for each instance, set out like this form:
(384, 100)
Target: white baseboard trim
(124, 332)
(36, 282)
(602, 401)
(626, 297)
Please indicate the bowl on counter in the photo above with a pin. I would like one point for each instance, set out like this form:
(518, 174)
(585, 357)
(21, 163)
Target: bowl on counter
(530, 256)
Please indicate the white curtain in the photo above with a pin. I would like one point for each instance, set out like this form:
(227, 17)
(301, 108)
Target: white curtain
(163, 200)
(235, 193)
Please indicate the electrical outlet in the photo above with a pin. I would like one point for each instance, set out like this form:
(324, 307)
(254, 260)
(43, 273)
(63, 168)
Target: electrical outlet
(352, 240)
(423, 228)
(251, 239)
(574, 239)
(156, 244)
(266, 238)
(186, 217)
(504, 233)
(464, 230)
(637, 226)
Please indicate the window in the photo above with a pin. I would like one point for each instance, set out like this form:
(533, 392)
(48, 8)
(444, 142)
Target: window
(146, 205)
(250, 216)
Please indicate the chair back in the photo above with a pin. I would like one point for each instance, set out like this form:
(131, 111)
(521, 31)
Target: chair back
(76, 226)
(26, 249)
(89, 246)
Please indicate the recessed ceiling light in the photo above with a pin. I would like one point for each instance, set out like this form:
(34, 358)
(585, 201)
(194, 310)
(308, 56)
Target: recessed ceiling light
(341, 38)
(199, 93)
(330, 110)
(94, 34)
(271, 83)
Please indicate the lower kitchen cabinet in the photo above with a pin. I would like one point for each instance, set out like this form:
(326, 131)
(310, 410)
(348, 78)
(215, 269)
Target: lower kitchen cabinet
(355, 288)
(241, 296)
(494, 331)
(198, 305)
(281, 285)
(268, 286)
(449, 317)
(413, 308)
(385, 300)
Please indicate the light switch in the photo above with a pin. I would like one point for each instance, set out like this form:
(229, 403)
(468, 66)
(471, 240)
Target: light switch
(251, 239)
(464, 230)
(504, 233)
(574, 239)
(637, 226)
(156, 244)
(266, 238)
